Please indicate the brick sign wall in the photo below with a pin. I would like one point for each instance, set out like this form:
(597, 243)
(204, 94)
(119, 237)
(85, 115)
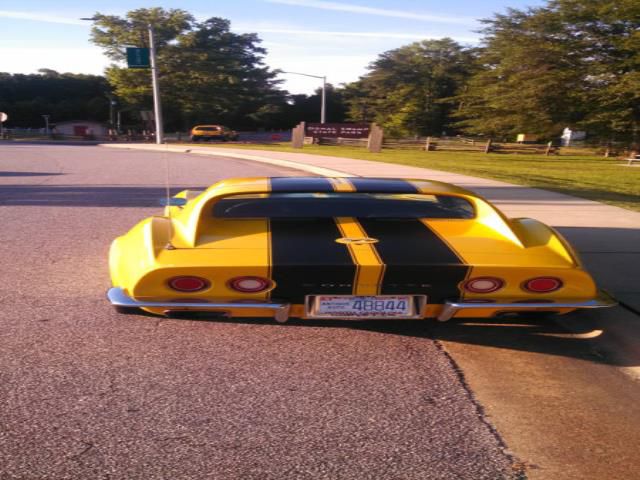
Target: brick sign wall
(334, 130)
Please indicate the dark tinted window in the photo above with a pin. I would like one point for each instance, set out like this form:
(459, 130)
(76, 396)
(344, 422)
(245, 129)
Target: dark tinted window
(208, 129)
(363, 205)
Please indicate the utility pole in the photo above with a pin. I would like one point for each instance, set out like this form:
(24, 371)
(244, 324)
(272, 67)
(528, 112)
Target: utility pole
(46, 124)
(3, 118)
(323, 102)
(157, 104)
(323, 106)
(112, 104)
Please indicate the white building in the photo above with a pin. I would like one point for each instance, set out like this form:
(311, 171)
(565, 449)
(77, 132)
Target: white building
(81, 128)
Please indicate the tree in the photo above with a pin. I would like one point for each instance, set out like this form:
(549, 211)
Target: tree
(569, 63)
(607, 36)
(527, 81)
(64, 96)
(405, 88)
(207, 73)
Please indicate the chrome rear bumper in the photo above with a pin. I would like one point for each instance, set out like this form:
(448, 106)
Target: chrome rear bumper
(451, 308)
(118, 298)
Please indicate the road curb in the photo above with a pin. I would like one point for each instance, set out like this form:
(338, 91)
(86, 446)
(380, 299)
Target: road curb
(327, 172)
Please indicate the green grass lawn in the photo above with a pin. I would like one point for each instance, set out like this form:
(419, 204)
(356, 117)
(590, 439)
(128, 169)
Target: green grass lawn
(596, 178)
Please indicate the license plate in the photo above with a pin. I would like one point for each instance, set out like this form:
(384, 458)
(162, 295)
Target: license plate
(349, 306)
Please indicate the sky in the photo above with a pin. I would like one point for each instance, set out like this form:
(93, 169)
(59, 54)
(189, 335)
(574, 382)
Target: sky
(337, 39)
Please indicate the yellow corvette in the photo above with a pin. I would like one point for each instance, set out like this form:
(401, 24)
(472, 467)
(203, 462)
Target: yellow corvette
(344, 248)
(212, 132)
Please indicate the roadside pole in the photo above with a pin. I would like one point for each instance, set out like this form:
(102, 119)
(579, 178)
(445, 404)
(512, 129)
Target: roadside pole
(140, 57)
(157, 104)
(3, 118)
(323, 109)
(323, 104)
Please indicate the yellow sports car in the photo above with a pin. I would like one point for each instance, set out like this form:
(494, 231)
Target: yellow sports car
(344, 248)
(212, 132)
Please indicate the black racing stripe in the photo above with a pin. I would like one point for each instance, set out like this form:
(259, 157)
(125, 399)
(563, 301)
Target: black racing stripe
(382, 185)
(307, 260)
(300, 184)
(417, 260)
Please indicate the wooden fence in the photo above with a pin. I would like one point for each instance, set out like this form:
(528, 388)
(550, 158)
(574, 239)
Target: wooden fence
(450, 144)
(462, 144)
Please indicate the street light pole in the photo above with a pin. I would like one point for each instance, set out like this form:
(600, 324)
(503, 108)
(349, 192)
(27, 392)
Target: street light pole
(323, 102)
(157, 104)
(323, 106)
(46, 124)
(112, 103)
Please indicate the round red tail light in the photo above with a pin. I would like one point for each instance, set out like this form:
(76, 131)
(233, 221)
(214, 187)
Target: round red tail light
(249, 284)
(188, 284)
(542, 284)
(483, 284)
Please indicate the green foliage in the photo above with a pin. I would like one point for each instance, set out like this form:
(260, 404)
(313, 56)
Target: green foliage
(63, 96)
(525, 83)
(404, 88)
(207, 73)
(607, 35)
(570, 63)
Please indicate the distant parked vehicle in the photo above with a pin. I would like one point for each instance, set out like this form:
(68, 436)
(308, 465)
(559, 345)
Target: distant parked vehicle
(212, 132)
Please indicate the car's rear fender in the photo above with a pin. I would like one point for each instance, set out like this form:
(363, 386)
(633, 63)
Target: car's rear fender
(136, 252)
(534, 233)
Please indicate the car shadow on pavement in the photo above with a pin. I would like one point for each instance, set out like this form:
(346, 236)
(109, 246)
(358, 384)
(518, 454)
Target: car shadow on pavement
(84, 196)
(28, 174)
(576, 335)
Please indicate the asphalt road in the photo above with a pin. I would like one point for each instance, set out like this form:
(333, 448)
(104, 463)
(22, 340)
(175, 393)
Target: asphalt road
(88, 393)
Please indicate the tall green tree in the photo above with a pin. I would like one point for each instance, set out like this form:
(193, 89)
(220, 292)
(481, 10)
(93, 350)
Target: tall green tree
(207, 73)
(405, 88)
(527, 80)
(606, 36)
(569, 63)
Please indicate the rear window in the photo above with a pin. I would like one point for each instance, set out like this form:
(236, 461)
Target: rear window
(328, 205)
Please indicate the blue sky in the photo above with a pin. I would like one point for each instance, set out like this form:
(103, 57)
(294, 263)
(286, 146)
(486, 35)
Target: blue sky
(333, 38)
